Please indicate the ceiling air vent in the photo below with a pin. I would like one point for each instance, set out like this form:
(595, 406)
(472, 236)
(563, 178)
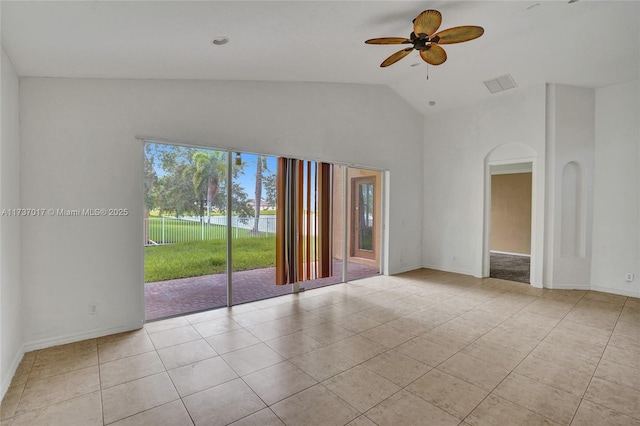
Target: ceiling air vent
(501, 83)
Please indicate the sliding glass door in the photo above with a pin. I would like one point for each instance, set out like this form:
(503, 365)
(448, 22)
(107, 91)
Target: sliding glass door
(224, 228)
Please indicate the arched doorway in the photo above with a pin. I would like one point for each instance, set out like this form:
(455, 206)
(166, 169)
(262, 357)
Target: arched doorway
(515, 158)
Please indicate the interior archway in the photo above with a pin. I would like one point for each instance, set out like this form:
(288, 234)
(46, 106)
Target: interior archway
(510, 158)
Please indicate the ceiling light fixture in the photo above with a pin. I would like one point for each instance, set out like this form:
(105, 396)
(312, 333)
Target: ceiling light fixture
(219, 41)
(432, 103)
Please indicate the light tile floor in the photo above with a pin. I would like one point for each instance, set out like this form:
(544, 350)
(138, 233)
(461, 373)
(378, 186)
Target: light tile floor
(422, 348)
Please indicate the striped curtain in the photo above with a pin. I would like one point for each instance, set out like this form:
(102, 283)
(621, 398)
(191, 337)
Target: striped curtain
(303, 224)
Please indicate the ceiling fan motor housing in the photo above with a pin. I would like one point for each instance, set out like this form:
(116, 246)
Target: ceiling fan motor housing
(420, 41)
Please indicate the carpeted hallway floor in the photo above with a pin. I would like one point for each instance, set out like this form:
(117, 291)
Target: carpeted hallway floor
(510, 267)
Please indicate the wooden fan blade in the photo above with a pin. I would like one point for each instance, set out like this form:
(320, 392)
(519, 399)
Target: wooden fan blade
(434, 55)
(396, 57)
(427, 22)
(459, 34)
(388, 40)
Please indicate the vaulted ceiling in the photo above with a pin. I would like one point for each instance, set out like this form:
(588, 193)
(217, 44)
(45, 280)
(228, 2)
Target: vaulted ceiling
(586, 43)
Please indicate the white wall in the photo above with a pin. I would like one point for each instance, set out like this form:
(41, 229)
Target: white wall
(616, 211)
(11, 324)
(79, 151)
(457, 142)
(608, 153)
(570, 151)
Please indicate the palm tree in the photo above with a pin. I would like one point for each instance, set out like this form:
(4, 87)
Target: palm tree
(209, 169)
(261, 165)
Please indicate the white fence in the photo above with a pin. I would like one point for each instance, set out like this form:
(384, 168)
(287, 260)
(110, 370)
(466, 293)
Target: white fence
(167, 229)
(265, 223)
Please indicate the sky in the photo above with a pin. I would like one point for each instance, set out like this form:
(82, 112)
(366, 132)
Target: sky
(247, 180)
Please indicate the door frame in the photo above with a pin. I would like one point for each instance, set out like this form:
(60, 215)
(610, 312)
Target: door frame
(486, 260)
(381, 216)
(356, 181)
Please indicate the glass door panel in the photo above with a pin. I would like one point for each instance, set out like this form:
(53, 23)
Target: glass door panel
(322, 251)
(363, 215)
(253, 243)
(184, 229)
(364, 222)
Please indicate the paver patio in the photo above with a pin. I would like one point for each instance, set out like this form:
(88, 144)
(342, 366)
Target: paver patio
(185, 295)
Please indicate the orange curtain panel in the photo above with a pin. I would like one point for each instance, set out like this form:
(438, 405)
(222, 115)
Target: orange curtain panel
(303, 224)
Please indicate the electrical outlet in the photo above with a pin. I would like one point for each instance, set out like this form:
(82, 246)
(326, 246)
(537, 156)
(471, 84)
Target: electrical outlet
(93, 309)
(630, 276)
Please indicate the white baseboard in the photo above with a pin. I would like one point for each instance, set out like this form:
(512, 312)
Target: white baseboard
(76, 337)
(618, 291)
(569, 287)
(55, 341)
(6, 381)
(453, 271)
(510, 253)
(395, 271)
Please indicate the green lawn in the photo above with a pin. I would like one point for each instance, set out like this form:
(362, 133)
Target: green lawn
(197, 258)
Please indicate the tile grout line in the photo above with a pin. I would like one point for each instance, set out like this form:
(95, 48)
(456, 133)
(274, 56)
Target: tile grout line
(593, 374)
(100, 382)
(598, 364)
(461, 349)
(516, 366)
(338, 298)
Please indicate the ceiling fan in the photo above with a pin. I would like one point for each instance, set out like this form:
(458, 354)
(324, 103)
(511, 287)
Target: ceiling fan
(425, 39)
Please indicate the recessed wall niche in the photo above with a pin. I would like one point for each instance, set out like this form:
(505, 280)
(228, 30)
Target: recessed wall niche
(572, 238)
